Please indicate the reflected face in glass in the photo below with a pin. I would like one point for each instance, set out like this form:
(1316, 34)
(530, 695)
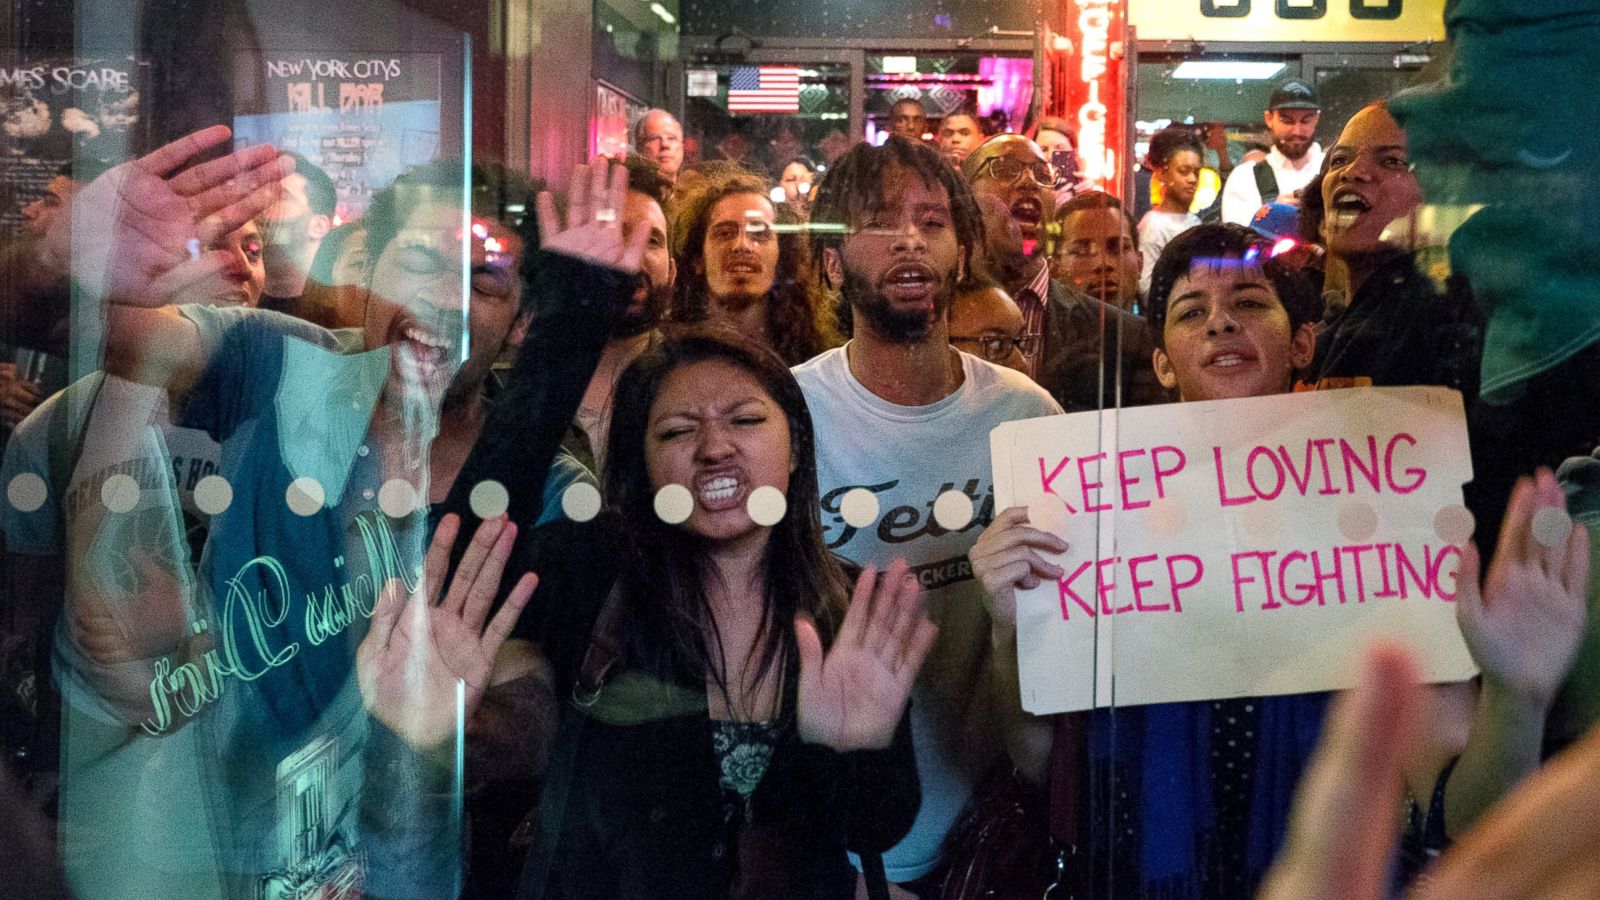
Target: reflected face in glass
(1050, 141)
(1292, 130)
(39, 215)
(987, 323)
(900, 264)
(1227, 335)
(740, 258)
(1013, 176)
(1098, 256)
(289, 215)
(796, 183)
(959, 136)
(650, 295)
(1180, 177)
(415, 304)
(351, 265)
(243, 275)
(716, 431)
(662, 141)
(907, 119)
(1368, 184)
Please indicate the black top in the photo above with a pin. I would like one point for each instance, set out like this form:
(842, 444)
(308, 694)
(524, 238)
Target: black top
(1096, 356)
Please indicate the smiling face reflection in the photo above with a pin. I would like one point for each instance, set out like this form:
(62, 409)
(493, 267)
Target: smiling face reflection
(417, 308)
(714, 430)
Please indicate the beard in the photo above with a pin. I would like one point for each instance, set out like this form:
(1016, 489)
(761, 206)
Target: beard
(868, 305)
(638, 319)
(1294, 148)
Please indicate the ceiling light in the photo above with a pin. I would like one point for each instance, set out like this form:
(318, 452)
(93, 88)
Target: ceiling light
(661, 11)
(1229, 70)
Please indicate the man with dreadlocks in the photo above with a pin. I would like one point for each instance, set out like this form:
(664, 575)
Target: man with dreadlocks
(902, 423)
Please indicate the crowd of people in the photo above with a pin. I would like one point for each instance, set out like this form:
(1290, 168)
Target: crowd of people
(488, 546)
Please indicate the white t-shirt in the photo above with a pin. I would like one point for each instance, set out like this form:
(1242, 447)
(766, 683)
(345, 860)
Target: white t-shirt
(906, 457)
(1241, 197)
(1155, 230)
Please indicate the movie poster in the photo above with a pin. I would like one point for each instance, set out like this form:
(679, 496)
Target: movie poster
(55, 109)
(362, 117)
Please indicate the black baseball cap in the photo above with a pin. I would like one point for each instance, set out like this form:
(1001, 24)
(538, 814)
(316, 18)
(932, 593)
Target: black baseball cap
(1294, 95)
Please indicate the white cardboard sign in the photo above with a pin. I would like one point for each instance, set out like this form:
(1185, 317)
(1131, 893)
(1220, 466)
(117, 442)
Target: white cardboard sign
(1238, 548)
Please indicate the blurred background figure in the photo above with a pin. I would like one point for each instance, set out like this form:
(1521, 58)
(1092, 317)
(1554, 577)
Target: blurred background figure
(909, 119)
(294, 228)
(797, 179)
(1175, 159)
(658, 136)
(986, 322)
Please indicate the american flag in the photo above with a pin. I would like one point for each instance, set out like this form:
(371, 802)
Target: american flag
(764, 89)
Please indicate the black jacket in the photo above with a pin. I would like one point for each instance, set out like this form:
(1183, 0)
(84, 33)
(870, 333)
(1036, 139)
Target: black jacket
(1096, 356)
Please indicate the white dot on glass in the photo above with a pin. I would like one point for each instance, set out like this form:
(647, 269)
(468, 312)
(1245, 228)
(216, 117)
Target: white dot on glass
(766, 506)
(489, 499)
(304, 496)
(859, 507)
(674, 504)
(213, 495)
(1551, 526)
(120, 493)
(27, 492)
(580, 501)
(397, 498)
(952, 510)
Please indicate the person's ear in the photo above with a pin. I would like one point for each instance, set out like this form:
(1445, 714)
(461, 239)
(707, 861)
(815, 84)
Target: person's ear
(318, 227)
(700, 266)
(832, 266)
(1164, 371)
(1303, 345)
(672, 272)
(519, 331)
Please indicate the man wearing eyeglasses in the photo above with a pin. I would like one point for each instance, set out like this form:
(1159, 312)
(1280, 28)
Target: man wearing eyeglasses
(1091, 354)
(986, 322)
(658, 136)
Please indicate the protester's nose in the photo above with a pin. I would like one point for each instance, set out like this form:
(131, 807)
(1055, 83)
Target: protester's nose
(1221, 321)
(715, 443)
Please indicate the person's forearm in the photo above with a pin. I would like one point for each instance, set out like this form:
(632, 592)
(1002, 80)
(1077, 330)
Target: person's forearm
(1027, 737)
(1504, 747)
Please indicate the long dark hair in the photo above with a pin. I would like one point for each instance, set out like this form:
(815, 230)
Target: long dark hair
(793, 326)
(673, 629)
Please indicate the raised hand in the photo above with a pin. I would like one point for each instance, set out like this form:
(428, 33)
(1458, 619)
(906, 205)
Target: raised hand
(417, 651)
(593, 229)
(1345, 823)
(1524, 627)
(130, 232)
(853, 697)
(1007, 558)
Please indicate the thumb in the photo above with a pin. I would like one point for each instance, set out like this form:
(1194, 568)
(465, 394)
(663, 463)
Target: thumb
(1469, 595)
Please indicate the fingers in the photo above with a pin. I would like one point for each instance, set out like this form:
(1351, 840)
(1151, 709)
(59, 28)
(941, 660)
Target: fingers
(218, 172)
(850, 630)
(1469, 599)
(578, 211)
(633, 251)
(1345, 820)
(163, 160)
(809, 644)
(549, 222)
(437, 561)
(599, 193)
(483, 541)
(484, 588)
(506, 619)
(879, 633)
(917, 648)
(1575, 575)
(391, 602)
(1516, 535)
(220, 215)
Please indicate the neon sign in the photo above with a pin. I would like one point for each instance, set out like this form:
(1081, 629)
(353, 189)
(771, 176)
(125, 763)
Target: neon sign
(1090, 86)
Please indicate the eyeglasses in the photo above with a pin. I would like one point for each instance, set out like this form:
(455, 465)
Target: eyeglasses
(997, 347)
(1008, 170)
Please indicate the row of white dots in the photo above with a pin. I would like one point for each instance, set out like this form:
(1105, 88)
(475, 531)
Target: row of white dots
(398, 498)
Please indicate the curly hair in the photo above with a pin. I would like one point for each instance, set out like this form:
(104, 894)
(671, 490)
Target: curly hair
(793, 326)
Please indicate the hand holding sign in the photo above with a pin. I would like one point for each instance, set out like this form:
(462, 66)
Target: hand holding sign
(1524, 627)
(1006, 559)
(852, 698)
(417, 651)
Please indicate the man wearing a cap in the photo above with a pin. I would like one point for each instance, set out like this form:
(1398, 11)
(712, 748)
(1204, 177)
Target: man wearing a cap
(1292, 114)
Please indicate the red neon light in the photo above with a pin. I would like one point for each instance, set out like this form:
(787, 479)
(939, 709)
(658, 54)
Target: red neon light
(1091, 90)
